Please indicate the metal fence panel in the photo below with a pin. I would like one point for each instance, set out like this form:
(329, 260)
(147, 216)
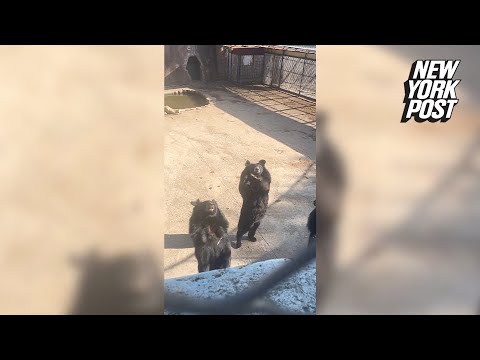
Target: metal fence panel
(293, 74)
(268, 71)
(251, 68)
(233, 66)
(308, 85)
(277, 70)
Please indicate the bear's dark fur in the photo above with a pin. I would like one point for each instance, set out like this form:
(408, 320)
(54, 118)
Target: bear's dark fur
(312, 225)
(254, 187)
(208, 229)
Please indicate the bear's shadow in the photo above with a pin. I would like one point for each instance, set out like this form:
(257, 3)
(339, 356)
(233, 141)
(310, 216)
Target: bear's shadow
(128, 284)
(184, 241)
(178, 241)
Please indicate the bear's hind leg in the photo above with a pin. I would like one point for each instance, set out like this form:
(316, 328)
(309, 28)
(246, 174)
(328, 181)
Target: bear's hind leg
(203, 267)
(252, 231)
(240, 234)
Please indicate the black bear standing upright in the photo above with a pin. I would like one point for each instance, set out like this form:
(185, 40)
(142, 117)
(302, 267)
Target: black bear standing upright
(254, 187)
(312, 225)
(208, 228)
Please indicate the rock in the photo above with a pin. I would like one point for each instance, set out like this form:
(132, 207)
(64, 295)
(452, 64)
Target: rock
(169, 110)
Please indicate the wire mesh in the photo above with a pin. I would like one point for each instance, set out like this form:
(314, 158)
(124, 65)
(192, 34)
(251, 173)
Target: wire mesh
(293, 74)
(233, 67)
(251, 69)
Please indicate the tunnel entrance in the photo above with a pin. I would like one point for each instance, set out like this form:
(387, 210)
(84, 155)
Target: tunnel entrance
(193, 68)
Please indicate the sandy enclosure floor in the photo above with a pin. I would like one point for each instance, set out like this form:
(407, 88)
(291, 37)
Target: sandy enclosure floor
(205, 152)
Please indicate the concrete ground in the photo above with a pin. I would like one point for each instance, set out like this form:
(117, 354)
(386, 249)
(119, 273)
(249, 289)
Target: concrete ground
(205, 152)
(409, 238)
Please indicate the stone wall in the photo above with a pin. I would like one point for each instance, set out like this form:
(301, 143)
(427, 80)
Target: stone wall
(176, 59)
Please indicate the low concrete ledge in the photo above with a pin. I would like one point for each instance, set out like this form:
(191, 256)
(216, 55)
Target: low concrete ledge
(296, 293)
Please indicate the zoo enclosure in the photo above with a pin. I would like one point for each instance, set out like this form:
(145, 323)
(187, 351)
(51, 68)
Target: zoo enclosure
(286, 68)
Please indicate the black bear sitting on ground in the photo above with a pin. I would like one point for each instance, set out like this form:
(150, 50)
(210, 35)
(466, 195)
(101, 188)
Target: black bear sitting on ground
(208, 228)
(254, 187)
(312, 225)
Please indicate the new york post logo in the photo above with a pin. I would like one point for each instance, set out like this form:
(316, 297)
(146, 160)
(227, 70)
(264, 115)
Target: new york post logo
(430, 91)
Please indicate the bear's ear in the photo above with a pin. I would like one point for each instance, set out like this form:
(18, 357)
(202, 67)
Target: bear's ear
(195, 203)
(247, 163)
(314, 202)
(262, 162)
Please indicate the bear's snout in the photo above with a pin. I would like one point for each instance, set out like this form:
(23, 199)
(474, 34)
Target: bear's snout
(210, 207)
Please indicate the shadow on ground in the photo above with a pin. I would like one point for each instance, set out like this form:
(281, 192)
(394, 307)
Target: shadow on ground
(299, 137)
(119, 285)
